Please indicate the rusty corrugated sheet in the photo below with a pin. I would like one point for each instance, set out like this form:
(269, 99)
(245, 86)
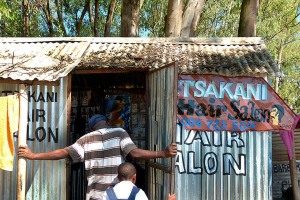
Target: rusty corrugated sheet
(279, 149)
(226, 56)
(48, 59)
(44, 61)
(47, 131)
(223, 165)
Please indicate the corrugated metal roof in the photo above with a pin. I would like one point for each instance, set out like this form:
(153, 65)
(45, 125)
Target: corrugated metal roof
(48, 59)
(44, 61)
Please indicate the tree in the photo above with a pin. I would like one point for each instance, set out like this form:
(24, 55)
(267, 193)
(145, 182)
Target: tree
(191, 18)
(11, 21)
(281, 33)
(219, 19)
(25, 9)
(59, 12)
(152, 13)
(130, 18)
(109, 18)
(174, 18)
(181, 22)
(248, 18)
(82, 15)
(48, 17)
(160, 18)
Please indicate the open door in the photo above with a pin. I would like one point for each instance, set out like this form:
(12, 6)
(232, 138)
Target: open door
(162, 104)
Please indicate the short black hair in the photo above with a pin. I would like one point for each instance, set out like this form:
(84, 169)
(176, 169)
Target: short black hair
(126, 171)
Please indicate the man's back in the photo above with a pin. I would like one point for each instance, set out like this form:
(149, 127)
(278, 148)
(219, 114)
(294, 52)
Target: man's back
(102, 151)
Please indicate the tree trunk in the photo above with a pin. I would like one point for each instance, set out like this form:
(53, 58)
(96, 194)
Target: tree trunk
(60, 17)
(248, 17)
(174, 18)
(130, 18)
(191, 17)
(46, 9)
(92, 19)
(109, 18)
(25, 9)
(79, 22)
(96, 30)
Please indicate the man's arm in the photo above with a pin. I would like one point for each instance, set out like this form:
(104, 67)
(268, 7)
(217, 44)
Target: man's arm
(137, 153)
(58, 154)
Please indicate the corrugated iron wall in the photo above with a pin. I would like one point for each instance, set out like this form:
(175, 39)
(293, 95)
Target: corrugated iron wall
(279, 149)
(161, 88)
(47, 130)
(223, 165)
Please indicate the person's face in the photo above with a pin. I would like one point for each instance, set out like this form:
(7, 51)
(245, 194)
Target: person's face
(274, 116)
(274, 113)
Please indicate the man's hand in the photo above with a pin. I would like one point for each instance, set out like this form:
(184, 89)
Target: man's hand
(171, 150)
(25, 152)
(172, 197)
(57, 154)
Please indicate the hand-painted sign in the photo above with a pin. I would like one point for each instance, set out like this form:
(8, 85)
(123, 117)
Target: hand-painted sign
(216, 103)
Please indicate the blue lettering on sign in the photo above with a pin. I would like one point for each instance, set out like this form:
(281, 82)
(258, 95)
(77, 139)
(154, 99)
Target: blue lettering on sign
(185, 121)
(218, 125)
(242, 126)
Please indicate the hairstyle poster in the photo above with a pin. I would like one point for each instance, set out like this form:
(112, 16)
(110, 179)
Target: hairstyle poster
(117, 110)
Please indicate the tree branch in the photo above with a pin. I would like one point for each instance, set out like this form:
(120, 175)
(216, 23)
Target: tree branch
(287, 25)
(79, 22)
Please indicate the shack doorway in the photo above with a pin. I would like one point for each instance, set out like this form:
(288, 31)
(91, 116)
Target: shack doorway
(148, 113)
(119, 96)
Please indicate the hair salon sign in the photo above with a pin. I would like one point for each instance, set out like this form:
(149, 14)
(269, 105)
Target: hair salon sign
(215, 103)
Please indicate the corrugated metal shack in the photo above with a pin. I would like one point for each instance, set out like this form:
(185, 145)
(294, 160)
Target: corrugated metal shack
(69, 79)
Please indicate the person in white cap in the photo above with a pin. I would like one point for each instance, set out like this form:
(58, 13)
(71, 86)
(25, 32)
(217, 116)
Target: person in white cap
(102, 151)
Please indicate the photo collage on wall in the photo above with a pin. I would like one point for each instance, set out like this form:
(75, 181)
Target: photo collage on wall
(138, 119)
(127, 111)
(84, 104)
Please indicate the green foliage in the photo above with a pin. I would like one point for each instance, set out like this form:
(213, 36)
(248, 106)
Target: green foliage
(11, 23)
(220, 19)
(73, 10)
(277, 24)
(11, 18)
(289, 87)
(152, 21)
(116, 23)
(282, 29)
